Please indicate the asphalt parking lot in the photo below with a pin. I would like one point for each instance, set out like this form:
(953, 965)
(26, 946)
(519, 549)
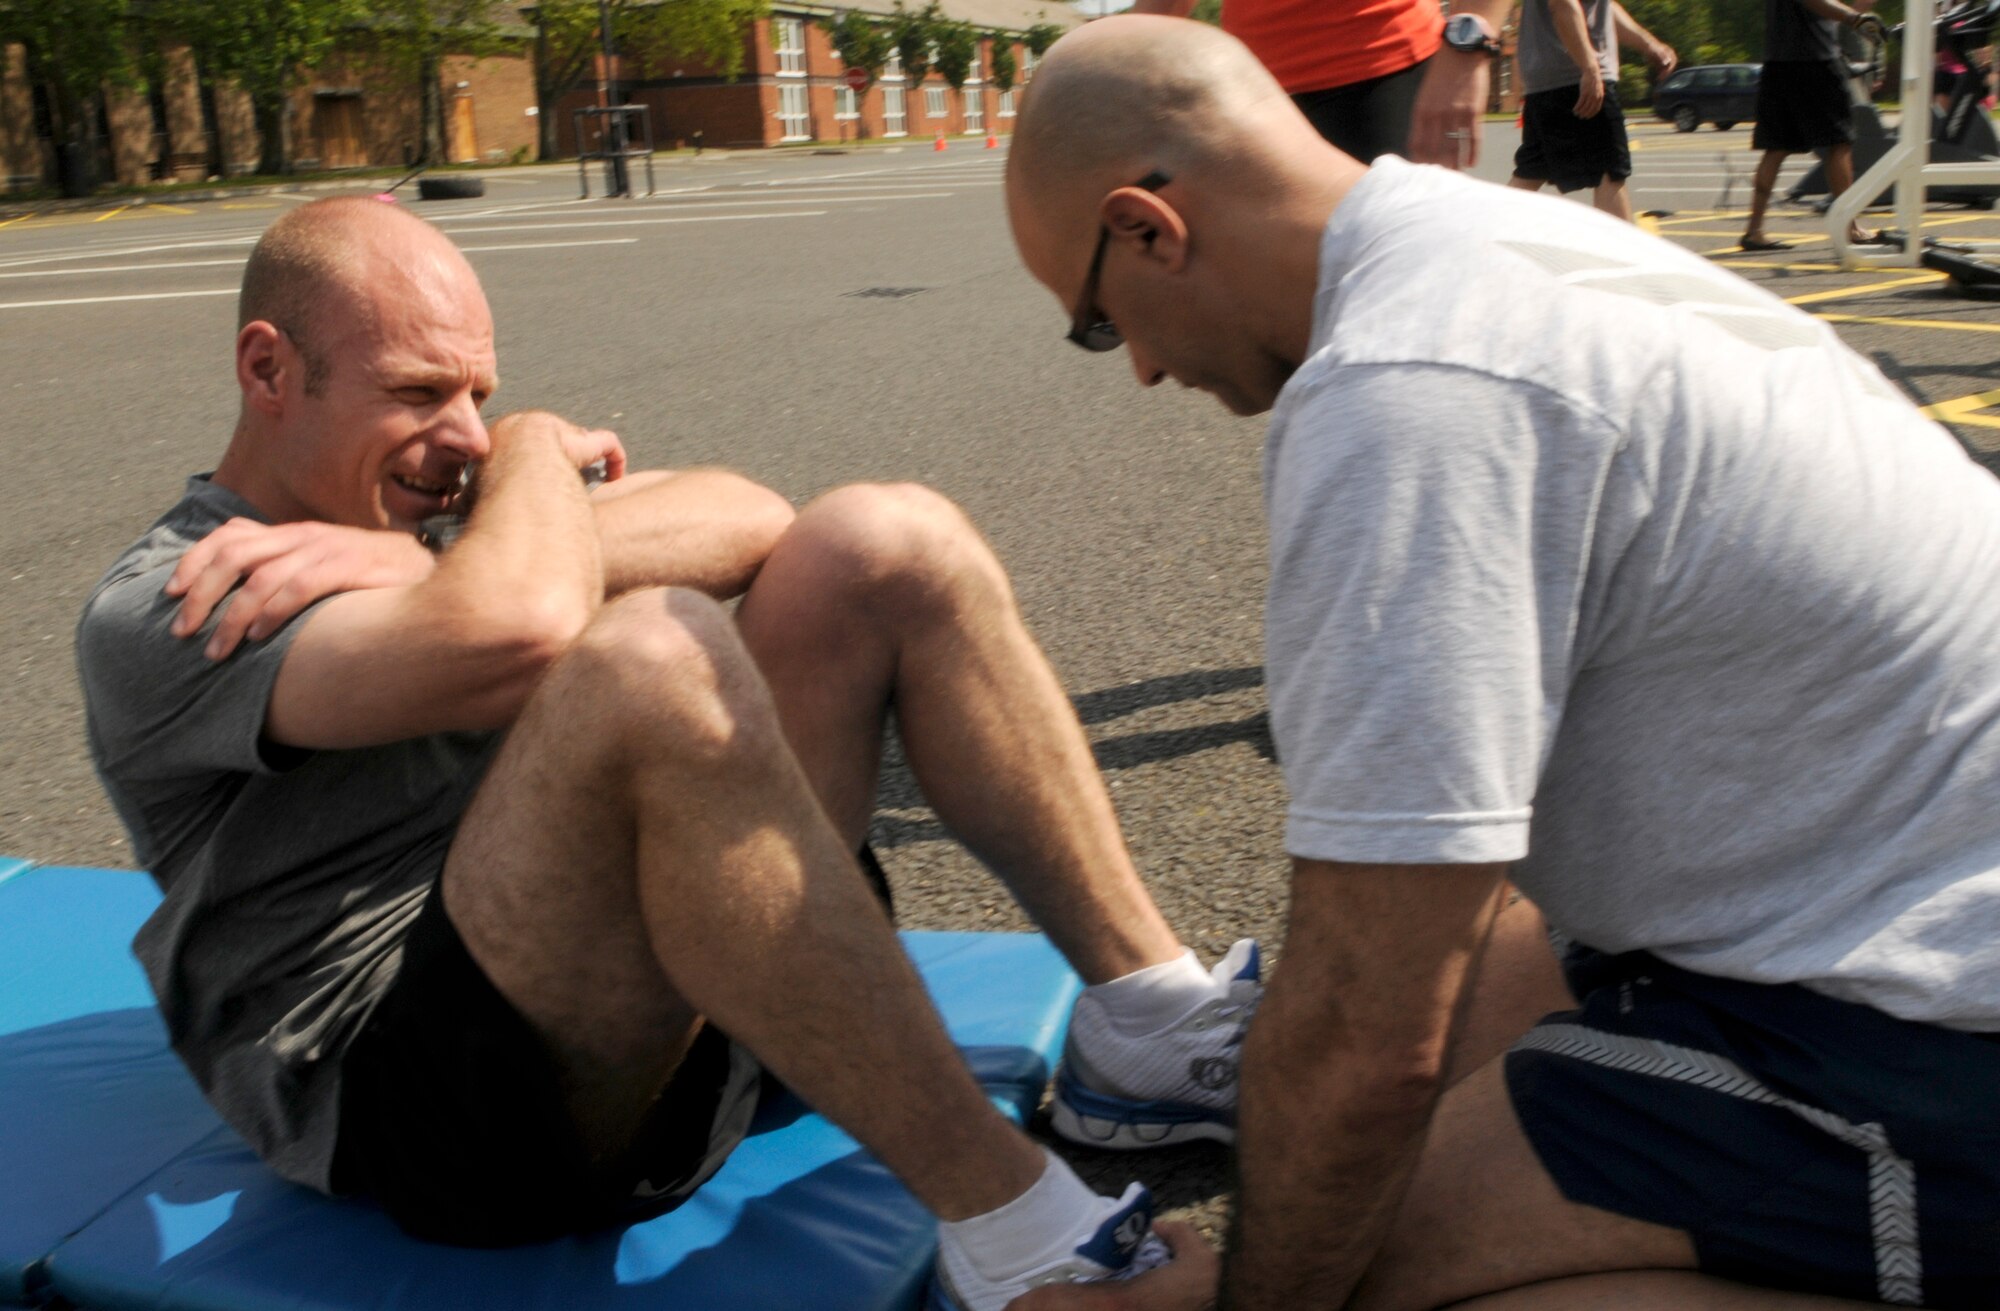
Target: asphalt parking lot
(816, 319)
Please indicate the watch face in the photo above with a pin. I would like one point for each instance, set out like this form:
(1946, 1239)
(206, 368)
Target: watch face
(1465, 32)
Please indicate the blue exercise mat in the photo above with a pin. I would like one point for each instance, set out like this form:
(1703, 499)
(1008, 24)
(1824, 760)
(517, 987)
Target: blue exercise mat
(92, 1101)
(799, 1216)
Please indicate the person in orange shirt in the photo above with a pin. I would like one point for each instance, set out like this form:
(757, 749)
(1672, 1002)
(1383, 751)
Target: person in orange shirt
(1374, 77)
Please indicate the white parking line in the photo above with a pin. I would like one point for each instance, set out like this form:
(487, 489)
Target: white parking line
(128, 268)
(643, 222)
(550, 245)
(112, 300)
(719, 202)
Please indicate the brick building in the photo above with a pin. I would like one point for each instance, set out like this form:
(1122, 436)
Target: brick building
(353, 111)
(790, 89)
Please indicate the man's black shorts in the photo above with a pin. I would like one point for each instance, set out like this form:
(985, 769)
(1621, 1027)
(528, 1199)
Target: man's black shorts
(453, 1120)
(1573, 153)
(1802, 105)
(1802, 1142)
(1367, 118)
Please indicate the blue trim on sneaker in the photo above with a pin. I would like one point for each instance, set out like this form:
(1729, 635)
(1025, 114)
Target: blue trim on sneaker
(1131, 1110)
(1253, 969)
(1121, 1233)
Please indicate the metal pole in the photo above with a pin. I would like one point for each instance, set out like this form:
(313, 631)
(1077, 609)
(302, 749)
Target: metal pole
(617, 182)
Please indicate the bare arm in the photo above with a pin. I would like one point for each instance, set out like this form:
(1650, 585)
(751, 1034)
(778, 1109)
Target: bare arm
(1343, 1067)
(1838, 12)
(702, 528)
(1573, 30)
(463, 648)
(1634, 37)
(1445, 123)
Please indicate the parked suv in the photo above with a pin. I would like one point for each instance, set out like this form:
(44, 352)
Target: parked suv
(1722, 94)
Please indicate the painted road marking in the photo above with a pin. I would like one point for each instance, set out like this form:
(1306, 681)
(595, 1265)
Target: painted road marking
(1841, 293)
(112, 300)
(1935, 325)
(643, 222)
(128, 268)
(551, 245)
(111, 214)
(1962, 410)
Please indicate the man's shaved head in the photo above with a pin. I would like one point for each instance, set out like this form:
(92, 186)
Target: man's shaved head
(1123, 96)
(324, 264)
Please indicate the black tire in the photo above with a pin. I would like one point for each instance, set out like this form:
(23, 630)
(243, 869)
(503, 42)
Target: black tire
(1686, 119)
(450, 188)
(1725, 126)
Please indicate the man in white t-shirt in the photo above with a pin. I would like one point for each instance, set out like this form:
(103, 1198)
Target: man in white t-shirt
(1597, 573)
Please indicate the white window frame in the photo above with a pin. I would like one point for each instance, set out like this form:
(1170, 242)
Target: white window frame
(893, 70)
(972, 100)
(895, 109)
(846, 104)
(788, 42)
(1006, 105)
(1027, 63)
(935, 105)
(795, 111)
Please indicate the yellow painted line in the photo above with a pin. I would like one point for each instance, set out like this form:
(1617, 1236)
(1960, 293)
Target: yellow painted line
(113, 214)
(18, 218)
(232, 204)
(1937, 325)
(1647, 224)
(1775, 264)
(177, 209)
(1841, 293)
(1961, 410)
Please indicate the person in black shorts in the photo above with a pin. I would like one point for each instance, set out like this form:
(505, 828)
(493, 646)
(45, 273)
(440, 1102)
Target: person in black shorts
(1802, 102)
(1572, 126)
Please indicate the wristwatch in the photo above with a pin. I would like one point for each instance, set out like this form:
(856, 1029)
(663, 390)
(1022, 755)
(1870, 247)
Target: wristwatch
(1470, 34)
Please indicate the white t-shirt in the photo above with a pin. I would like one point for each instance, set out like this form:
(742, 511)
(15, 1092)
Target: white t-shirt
(1589, 556)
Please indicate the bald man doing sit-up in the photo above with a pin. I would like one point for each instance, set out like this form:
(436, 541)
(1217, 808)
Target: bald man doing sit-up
(493, 877)
(1597, 571)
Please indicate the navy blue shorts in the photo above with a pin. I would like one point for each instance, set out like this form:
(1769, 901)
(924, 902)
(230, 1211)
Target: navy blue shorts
(1802, 1142)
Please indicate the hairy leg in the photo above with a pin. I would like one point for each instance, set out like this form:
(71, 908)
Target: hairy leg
(885, 598)
(1760, 192)
(646, 851)
(1839, 177)
(1614, 198)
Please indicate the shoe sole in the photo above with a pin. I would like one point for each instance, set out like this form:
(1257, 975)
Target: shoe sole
(1131, 1135)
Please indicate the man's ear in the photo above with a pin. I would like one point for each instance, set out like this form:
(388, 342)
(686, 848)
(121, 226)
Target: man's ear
(263, 359)
(1136, 215)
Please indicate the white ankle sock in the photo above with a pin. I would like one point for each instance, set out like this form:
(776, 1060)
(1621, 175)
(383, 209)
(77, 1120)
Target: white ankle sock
(1146, 1001)
(1037, 1227)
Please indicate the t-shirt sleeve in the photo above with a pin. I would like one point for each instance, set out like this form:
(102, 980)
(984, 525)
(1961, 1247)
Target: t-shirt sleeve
(157, 707)
(1430, 533)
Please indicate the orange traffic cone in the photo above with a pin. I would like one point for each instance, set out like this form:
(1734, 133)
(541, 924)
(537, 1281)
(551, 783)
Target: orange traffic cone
(992, 141)
(940, 143)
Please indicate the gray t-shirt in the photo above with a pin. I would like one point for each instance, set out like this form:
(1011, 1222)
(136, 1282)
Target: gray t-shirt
(1589, 556)
(1794, 34)
(290, 877)
(1539, 54)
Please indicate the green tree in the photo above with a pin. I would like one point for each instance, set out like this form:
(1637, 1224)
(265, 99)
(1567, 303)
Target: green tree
(1003, 68)
(861, 43)
(268, 47)
(74, 48)
(915, 34)
(1040, 37)
(1207, 11)
(416, 35)
(957, 51)
(566, 41)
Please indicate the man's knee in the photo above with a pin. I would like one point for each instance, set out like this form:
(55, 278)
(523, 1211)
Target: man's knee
(663, 670)
(896, 545)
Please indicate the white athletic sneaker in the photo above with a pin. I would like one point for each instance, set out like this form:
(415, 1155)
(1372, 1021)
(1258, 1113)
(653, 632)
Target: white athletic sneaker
(1120, 1246)
(1173, 1086)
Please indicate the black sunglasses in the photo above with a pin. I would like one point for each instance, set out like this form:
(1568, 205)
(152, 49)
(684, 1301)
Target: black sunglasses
(1088, 328)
